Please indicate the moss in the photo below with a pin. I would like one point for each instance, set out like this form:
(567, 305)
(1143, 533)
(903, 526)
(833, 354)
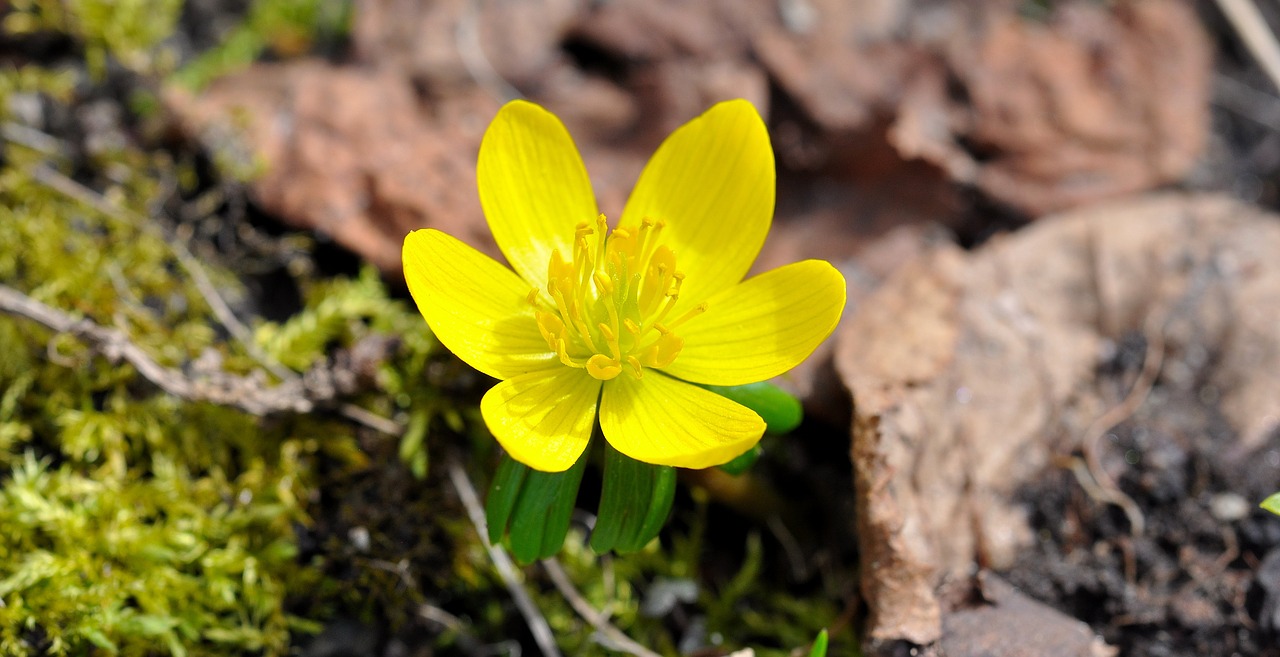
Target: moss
(134, 522)
(287, 27)
(127, 31)
(169, 563)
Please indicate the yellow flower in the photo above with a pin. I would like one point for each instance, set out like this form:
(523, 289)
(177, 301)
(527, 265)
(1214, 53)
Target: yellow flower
(623, 323)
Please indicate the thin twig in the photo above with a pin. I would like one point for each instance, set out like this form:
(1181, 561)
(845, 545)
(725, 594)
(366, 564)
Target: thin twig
(466, 38)
(616, 637)
(368, 418)
(1252, 28)
(224, 313)
(54, 180)
(247, 393)
(1255, 105)
(32, 138)
(502, 563)
(1151, 364)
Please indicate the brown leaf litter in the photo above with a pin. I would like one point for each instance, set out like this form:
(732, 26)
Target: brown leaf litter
(974, 374)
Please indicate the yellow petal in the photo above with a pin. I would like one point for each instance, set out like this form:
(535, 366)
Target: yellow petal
(475, 306)
(543, 419)
(761, 327)
(712, 182)
(533, 187)
(657, 419)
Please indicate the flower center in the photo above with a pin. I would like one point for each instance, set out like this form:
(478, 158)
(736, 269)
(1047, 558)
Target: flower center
(613, 301)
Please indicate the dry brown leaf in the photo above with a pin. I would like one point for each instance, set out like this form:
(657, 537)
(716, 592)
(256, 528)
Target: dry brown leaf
(1095, 102)
(351, 153)
(970, 372)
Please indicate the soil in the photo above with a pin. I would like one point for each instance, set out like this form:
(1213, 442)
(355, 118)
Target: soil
(1188, 580)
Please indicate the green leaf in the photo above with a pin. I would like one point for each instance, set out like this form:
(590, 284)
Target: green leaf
(503, 495)
(664, 493)
(1272, 504)
(539, 520)
(743, 461)
(634, 503)
(781, 412)
(819, 645)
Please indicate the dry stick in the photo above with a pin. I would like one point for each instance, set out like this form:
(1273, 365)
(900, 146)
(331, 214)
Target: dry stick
(502, 563)
(246, 393)
(54, 180)
(1257, 106)
(466, 38)
(1258, 39)
(1151, 363)
(597, 620)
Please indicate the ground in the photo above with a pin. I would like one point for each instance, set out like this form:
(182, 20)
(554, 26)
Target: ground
(1057, 369)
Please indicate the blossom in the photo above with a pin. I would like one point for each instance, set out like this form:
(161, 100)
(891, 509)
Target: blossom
(621, 324)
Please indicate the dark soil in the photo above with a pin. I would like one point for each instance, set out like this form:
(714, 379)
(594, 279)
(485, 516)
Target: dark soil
(1189, 582)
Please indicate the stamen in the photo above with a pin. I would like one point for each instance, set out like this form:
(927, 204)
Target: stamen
(563, 351)
(615, 290)
(612, 340)
(603, 368)
(690, 314)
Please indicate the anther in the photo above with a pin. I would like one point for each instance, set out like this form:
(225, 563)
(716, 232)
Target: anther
(603, 367)
(692, 312)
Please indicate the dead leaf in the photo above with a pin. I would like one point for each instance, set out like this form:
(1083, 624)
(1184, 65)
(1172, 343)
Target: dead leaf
(971, 372)
(351, 153)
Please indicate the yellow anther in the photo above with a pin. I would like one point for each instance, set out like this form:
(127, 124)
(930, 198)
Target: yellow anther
(603, 367)
(551, 327)
(602, 283)
(690, 314)
(563, 351)
(611, 300)
(663, 351)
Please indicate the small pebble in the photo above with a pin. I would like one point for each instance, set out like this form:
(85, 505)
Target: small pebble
(1229, 507)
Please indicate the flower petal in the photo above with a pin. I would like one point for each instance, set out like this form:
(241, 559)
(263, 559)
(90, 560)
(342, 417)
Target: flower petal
(660, 420)
(543, 419)
(712, 182)
(533, 187)
(761, 327)
(475, 306)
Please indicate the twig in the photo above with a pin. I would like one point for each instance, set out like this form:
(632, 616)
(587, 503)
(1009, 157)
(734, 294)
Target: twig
(368, 418)
(1258, 39)
(502, 563)
(1258, 106)
(247, 393)
(1151, 364)
(466, 38)
(616, 637)
(224, 313)
(32, 138)
(54, 180)
(292, 385)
